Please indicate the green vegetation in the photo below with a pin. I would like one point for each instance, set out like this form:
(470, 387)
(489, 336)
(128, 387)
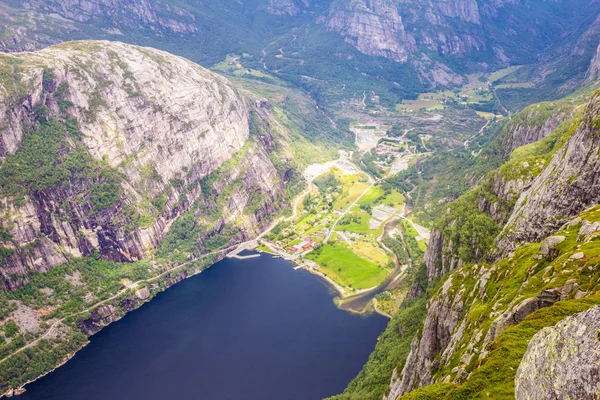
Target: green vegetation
(356, 222)
(470, 230)
(495, 377)
(372, 197)
(521, 276)
(409, 234)
(397, 247)
(448, 173)
(343, 266)
(183, 237)
(392, 348)
(49, 157)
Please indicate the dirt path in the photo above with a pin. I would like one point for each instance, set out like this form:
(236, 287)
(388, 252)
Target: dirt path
(469, 140)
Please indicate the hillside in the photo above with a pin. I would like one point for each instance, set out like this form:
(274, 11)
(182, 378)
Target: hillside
(395, 48)
(493, 296)
(125, 169)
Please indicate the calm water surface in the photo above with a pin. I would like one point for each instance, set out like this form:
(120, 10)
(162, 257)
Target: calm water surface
(242, 330)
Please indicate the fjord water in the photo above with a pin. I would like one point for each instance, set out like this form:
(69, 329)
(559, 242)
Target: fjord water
(250, 329)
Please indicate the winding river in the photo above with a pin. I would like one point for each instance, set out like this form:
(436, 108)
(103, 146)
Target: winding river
(251, 329)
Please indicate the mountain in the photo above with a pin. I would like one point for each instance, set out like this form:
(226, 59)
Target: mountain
(125, 169)
(123, 163)
(493, 295)
(154, 132)
(338, 47)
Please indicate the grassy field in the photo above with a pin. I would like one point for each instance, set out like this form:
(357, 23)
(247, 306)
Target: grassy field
(394, 198)
(349, 195)
(339, 263)
(371, 252)
(362, 227)
(417, 105)
(486, 115)
(374, 194)
(518, 85)
(233, 65)
(501, 73)
(409, 228)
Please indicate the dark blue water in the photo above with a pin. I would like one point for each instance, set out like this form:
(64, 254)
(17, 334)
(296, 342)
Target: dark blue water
(242, 330)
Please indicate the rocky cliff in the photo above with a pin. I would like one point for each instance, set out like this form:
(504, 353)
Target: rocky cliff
(156, 16)
(574, 173)
(414, 31)
(482, 307)
(436, 43)
(454, 239)
(151, 128)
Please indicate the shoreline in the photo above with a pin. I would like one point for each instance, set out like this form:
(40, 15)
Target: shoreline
(342, 295)
(192, 272)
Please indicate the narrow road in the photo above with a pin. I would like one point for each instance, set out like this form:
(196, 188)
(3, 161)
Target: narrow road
(468, 141)
(298, 199)
(493, 90)
(345, 212)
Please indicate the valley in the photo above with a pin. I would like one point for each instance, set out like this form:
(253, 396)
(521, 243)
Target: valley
(378, 199)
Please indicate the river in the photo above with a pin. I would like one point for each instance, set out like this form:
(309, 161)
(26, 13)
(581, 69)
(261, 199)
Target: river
(251, 329)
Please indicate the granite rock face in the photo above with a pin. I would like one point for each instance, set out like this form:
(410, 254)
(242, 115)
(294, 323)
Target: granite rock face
(373, 27)
(574, 173)
(162, 122)
(444, 315)
(133, 14)
(563, 361)
(505, 186)
(538, 208)
(427, 34)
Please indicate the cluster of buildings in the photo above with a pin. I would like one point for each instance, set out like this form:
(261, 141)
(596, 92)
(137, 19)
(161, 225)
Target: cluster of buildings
(302, 246)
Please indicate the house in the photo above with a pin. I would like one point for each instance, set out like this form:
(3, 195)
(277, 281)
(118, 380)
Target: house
(304, 245)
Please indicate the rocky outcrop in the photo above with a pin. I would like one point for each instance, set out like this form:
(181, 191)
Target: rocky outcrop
(563, 361)
(373, 27)
(133, 14)
(569, 185)
(161, 123)
(533, 124)
(545, 298)
(284, 7)
(556, 197)
(496, 195)
(462, 340)
(445, 314)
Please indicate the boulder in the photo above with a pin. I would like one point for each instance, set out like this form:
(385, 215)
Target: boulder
(548, 249)
(563, 361)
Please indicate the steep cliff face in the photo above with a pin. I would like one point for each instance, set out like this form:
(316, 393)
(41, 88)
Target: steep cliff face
(482, 307)
(150, 127)
(401, 30)
(563, 361)
(479, 322)
(138, 13)
(533, 124)
(574, 174)
(466, 230)
(373, 27)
